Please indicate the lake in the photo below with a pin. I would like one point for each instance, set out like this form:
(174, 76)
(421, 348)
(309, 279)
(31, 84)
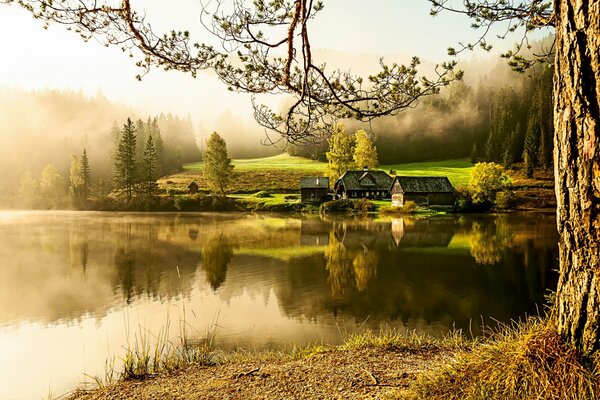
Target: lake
(77, 287)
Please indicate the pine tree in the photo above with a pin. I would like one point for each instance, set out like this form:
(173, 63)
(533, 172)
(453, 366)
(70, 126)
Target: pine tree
(340, 155)
(86, 177)
(365, 152)
(502, 121)
(115, 136)
(507, 158)
(217, 169)
(516, 143)
(149, 172)
(125, 161)
(140, 138)
(474, 153)
(544, 153)
(531, 142)
(154, 130)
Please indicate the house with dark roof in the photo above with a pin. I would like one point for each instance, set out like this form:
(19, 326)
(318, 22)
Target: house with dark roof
(365, 183)
(314, 190)
(423, 190)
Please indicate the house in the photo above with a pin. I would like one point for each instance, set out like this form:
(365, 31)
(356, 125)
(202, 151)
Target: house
(314, 190)
(423, 190)
(365, 183)
(193, 188)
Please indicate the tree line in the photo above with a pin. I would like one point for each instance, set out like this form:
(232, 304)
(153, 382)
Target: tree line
(503, 120)
(138, 156)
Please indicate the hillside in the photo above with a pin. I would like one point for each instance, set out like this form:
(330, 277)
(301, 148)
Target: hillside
(282, 173)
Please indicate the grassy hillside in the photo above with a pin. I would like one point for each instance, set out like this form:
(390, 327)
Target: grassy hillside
(282, 173)
(458, 171)
(281, 161)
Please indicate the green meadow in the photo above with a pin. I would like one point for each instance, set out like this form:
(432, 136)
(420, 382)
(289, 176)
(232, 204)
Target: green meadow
(282, 173)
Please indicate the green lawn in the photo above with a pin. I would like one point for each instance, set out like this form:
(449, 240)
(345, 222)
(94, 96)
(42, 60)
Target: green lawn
(281, 161)
(457, 171)
(282, 173)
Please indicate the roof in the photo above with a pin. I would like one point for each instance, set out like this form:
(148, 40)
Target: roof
(193, 184)
(424, 184)
(319, 182)
(365, 180)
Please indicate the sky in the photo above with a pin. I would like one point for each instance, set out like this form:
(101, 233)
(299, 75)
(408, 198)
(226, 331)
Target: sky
(37, 59)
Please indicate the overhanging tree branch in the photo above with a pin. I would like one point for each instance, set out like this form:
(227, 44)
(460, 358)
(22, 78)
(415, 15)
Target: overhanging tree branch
(266, 50)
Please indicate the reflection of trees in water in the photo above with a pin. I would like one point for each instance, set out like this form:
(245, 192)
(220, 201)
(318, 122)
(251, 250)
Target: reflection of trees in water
(78, 247)
(348, 268)
(365, 267)
(487, 241)
(420, 282)
(145, 264)
(216, 255)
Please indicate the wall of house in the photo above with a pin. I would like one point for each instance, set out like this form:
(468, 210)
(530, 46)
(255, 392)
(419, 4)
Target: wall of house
(312, 195)
(442, 199)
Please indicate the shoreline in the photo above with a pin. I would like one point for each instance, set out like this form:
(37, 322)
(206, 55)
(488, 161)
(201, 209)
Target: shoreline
(364, 366)
(526, 360)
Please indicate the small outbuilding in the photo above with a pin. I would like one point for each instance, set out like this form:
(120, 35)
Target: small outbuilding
(193, 188)
(363, 184)
(423, 190)
(314, 190)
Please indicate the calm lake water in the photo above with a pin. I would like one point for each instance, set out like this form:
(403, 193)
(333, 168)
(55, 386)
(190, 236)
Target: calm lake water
(75, 288)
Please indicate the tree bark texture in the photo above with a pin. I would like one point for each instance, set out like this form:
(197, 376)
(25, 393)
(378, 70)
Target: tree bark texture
(577, 169)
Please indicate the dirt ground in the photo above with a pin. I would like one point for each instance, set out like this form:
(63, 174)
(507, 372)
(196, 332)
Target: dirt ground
(369, 373)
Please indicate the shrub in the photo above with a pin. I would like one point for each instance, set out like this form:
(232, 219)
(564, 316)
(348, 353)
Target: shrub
(505, 199)
(409, 207)
(263, 194)
(361, 206)
(199, 202)
(486, 180)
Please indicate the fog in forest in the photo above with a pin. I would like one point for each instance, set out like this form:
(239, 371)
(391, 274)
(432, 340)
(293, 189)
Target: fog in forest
(46, 127)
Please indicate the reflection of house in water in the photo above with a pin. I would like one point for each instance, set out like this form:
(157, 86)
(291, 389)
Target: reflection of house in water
(429, 232)
(313, 232)
(397, 230)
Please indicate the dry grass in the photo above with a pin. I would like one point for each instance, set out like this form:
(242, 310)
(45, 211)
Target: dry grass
(526, 361)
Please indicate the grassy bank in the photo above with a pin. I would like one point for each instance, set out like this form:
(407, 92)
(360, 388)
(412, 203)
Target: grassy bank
(282, 173)
(525, 361)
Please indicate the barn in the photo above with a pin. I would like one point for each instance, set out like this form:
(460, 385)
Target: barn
(423, 190)
(365, 183)
(193, 188)
(314, 190)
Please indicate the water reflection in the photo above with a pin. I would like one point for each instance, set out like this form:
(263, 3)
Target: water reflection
(394, 267)
(216, 256)
(272, 280)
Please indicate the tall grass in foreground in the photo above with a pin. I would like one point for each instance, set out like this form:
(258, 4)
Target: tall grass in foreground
(523, 361)
(148, 354)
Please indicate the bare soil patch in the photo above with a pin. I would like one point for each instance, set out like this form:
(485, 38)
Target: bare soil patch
(368, 373)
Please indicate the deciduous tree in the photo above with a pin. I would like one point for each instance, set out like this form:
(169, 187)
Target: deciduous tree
(217, 168)
(365, 152)
(340, 157)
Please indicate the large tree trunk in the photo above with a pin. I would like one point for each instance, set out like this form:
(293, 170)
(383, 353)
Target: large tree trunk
(577, 169)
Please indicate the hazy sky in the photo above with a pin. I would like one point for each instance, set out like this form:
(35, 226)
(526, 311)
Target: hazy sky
(33, 58)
